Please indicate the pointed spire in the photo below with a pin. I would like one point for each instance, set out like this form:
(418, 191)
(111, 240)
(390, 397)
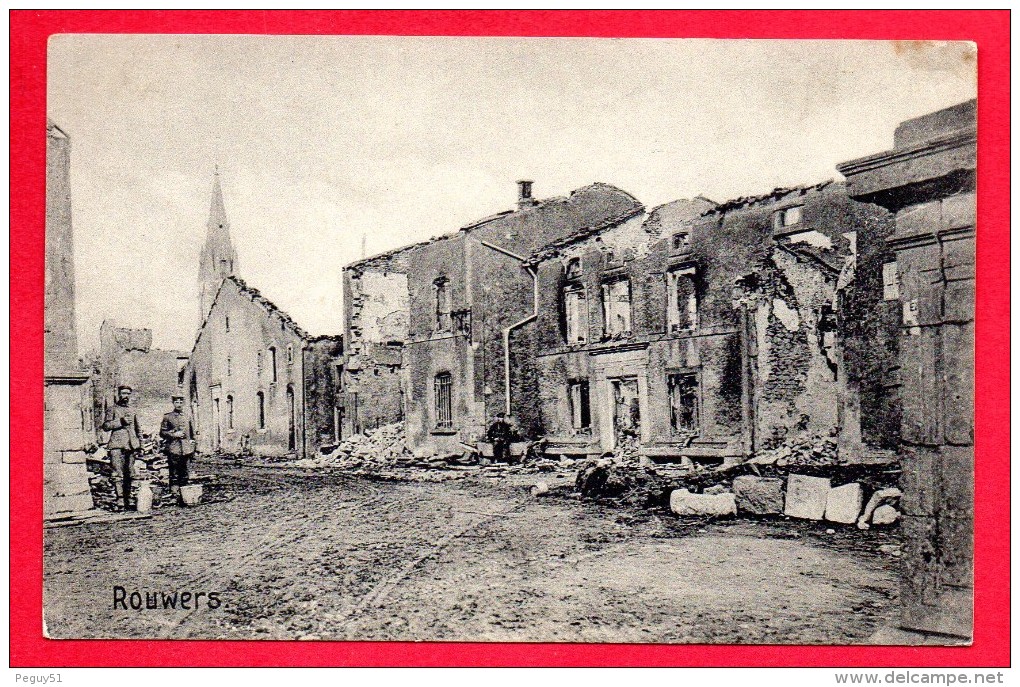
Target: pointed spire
(217, 211)
(219, 259)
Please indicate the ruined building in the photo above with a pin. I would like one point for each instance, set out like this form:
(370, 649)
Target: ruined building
(711, 332)
(257, 383)
(67, 416)
(928, 180)
(126, 356)
(436, 332)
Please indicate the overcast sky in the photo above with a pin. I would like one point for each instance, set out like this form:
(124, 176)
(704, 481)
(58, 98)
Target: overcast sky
(322, 141)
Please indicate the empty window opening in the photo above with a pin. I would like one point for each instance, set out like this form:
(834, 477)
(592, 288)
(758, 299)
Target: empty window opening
(683, 401)
(442, 294)
(682, 300)
(616, 307)
(575, 307)
(788, 217)
(580, 405)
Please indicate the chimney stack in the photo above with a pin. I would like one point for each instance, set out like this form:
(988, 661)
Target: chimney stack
(524, 199)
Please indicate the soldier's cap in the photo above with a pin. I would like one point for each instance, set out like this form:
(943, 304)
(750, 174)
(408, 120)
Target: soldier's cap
(124, 387)
(176, 396)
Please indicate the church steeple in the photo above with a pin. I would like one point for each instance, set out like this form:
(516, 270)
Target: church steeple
(219, 259)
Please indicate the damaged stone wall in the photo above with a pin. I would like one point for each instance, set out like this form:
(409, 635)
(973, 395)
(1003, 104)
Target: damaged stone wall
(376, 317)
(820, 336)
(644, 252)
(126, 357)
(776, 374)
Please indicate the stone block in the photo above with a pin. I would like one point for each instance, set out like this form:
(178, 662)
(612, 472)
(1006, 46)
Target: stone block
(919, 480)
(885, 515)
(806, 496)
(758, 495)
(958, 354)
(923, 218)
(959, 211)
(956, 551)
(956, 481)
(67, 504)
(843, 504)
(682, 502)
(959, 300)
(920, 393)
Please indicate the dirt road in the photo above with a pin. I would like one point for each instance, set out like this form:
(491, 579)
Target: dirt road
(295, 554)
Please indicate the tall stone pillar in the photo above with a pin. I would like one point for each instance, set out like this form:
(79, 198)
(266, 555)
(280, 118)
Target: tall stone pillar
(67, 418)
(928, 180)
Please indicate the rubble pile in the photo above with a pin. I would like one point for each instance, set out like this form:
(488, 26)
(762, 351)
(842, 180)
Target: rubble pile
(801, 477)
(382, 452)
(803, 449)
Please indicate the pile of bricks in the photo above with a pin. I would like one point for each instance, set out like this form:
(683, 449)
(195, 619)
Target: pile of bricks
(802, 449)
(382, 452)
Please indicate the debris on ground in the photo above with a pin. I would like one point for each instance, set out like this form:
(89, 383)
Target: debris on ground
(150, 471)
(382, 452)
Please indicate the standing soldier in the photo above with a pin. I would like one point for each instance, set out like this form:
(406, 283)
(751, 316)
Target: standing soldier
(179, 434)
(499, 436)
(125, 442)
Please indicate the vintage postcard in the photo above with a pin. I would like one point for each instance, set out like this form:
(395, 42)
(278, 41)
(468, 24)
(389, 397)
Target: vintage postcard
(509, 339)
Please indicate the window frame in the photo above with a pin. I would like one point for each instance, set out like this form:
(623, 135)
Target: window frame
(582, 321)
(692, 373)
(581, 406)
(780, 218)
(443, 319)
(607, 287)
(673, 276)
(443, 402)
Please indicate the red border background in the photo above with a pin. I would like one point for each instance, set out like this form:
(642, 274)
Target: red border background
(29, 33)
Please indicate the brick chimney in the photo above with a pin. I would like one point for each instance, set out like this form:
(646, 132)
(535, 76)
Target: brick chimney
(524, 199)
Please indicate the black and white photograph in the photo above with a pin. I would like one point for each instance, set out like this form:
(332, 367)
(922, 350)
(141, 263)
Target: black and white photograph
(586, 340)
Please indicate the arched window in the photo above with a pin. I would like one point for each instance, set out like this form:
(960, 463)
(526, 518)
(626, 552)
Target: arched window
(262, 410)
(290, 354)
(230, 412)
(444, 400)
(272, 362)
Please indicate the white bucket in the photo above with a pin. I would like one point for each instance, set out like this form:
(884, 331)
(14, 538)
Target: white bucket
(191, 494)
(143, 503)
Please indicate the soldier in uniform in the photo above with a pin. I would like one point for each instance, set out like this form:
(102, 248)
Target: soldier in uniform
(499, 435)
(125, 442)
(179, 434)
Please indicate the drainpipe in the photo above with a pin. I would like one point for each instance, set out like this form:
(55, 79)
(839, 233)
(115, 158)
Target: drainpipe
(516, 325)
(304, 399)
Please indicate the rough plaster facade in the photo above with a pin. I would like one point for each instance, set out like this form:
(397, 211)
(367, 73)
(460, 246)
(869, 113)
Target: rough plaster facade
(928, 181)
(466, 293)
(67, 417)
(126, 357)
(257, 383)
(735, 340)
